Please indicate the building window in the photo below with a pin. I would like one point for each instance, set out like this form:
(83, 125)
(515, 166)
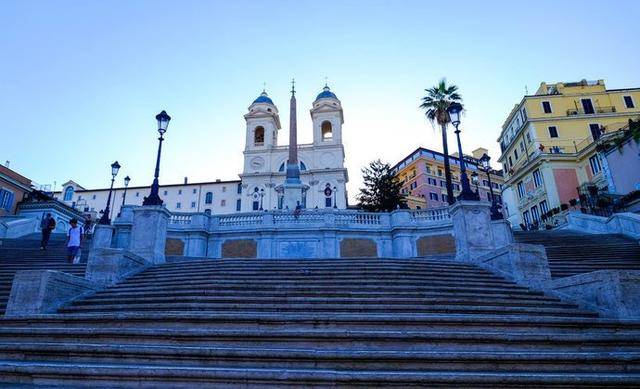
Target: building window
(224, 189)
(594, 162)
(445, 198)
(207, 211)
(587, 106)
(256, 205)
(68, 193)
(544, 208)
(534, 214)
(524, 114)
(443, 184)
(594, 128)
(137, 195)
(258, 136)
(195, 191)
(238, 205)
(525, 216)
(327, 202)
(553, 131)
(428, 169)
(515, 154)
(208, 198)
(239, 190)
(223, 203)
(546, 106)
(178, 205)
(456, 186)
(439, 173)
(433, 196)
(521, 146)
(628, 102)
(521, 192)
(193, 204)
(510, 161)
(6, 199)
(327, 131)
(432, 181)
(537, 178)
(165, 193)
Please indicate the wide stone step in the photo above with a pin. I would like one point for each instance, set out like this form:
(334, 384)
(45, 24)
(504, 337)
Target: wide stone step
(331, 320)
(504, 340)
(323, 288)
(296, 358)
(117, 295)
(326, 308)
(155, 376)
(382, 301)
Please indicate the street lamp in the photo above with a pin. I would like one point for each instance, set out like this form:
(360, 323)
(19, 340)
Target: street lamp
(261, 197)
(466, 193)
(105, 215)
(474, 181)
(154, 198)
(495, 213)
(126, 184)
(335, 196)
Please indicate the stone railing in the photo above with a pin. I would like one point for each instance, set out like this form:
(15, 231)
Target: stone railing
(14, 227)
(619, 223)
(430, 215)
(238, 220)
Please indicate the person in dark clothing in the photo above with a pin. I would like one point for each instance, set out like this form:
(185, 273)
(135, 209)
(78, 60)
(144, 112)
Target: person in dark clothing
(47, 225)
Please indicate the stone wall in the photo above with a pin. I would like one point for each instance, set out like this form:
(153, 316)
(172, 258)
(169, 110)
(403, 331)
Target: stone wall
(436, 245)
(174, 247)
(355, 247)
(240, 248)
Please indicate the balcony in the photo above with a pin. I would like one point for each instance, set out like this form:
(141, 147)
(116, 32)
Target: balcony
(596, 110)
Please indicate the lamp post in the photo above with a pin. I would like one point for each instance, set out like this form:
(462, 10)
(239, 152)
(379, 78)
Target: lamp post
(335, 196)
(261, 197)
(474, 181)
(105, 214)
(466, 193)
(126, 184)
(495, 213)
(154, 198)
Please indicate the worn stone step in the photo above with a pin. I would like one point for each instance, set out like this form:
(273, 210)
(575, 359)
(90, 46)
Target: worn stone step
(328, 308)
(309, 337)
(173, 376)
(408, 302)
(362, 359)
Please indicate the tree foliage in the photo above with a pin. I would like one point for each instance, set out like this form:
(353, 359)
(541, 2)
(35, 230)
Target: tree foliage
(381, 190)
(438, 100)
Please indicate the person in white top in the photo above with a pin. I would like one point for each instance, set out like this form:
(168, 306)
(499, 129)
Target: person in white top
(74, 240)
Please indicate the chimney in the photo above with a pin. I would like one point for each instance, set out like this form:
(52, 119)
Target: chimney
(185, 180)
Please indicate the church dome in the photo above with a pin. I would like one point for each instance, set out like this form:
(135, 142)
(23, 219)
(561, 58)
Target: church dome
(326, 94)
(263, 98)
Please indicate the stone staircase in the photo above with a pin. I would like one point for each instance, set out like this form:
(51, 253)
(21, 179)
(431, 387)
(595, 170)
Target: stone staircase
(321, 323)
(572, 252)
(25, 254)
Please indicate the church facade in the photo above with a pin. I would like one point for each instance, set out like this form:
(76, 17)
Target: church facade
(321, 166)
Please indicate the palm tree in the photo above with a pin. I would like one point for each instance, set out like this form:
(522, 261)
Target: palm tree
(436, 103)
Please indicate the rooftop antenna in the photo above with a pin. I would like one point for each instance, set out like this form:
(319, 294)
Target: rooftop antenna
(526, 90)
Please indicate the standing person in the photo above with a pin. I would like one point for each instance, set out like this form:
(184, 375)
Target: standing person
(47, 224)
(74, 240)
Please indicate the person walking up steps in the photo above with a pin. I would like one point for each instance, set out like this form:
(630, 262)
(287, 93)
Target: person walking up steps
(74, 240)
(47, 225)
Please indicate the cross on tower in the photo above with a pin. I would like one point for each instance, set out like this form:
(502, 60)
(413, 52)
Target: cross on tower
(326, 81)
(293, 86)
(264, 87)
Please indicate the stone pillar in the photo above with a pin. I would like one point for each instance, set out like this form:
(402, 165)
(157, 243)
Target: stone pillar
(473, 230)
(149, 232)
(102, 236)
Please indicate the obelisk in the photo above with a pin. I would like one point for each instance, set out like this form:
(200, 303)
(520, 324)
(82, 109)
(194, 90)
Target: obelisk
(293, 191)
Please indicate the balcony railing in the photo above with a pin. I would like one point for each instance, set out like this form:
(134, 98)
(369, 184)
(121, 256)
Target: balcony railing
(596, 110)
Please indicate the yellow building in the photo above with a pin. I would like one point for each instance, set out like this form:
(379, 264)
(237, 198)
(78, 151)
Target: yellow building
(423, 180)
(548, 144)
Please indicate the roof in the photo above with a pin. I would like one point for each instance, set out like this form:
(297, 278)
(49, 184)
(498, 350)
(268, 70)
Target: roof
(326, 94)
(263, 98)
(161, 186)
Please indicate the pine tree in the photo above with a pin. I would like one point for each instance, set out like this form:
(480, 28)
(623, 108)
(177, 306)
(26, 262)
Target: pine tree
(381, 190)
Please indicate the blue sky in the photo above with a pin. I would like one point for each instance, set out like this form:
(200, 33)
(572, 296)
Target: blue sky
(81, 81)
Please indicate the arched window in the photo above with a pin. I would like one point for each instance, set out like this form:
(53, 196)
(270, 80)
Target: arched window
(68, 193)
(207, 211)
(327, 130)
(258, 136)
(283, 165)
(208, 198)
